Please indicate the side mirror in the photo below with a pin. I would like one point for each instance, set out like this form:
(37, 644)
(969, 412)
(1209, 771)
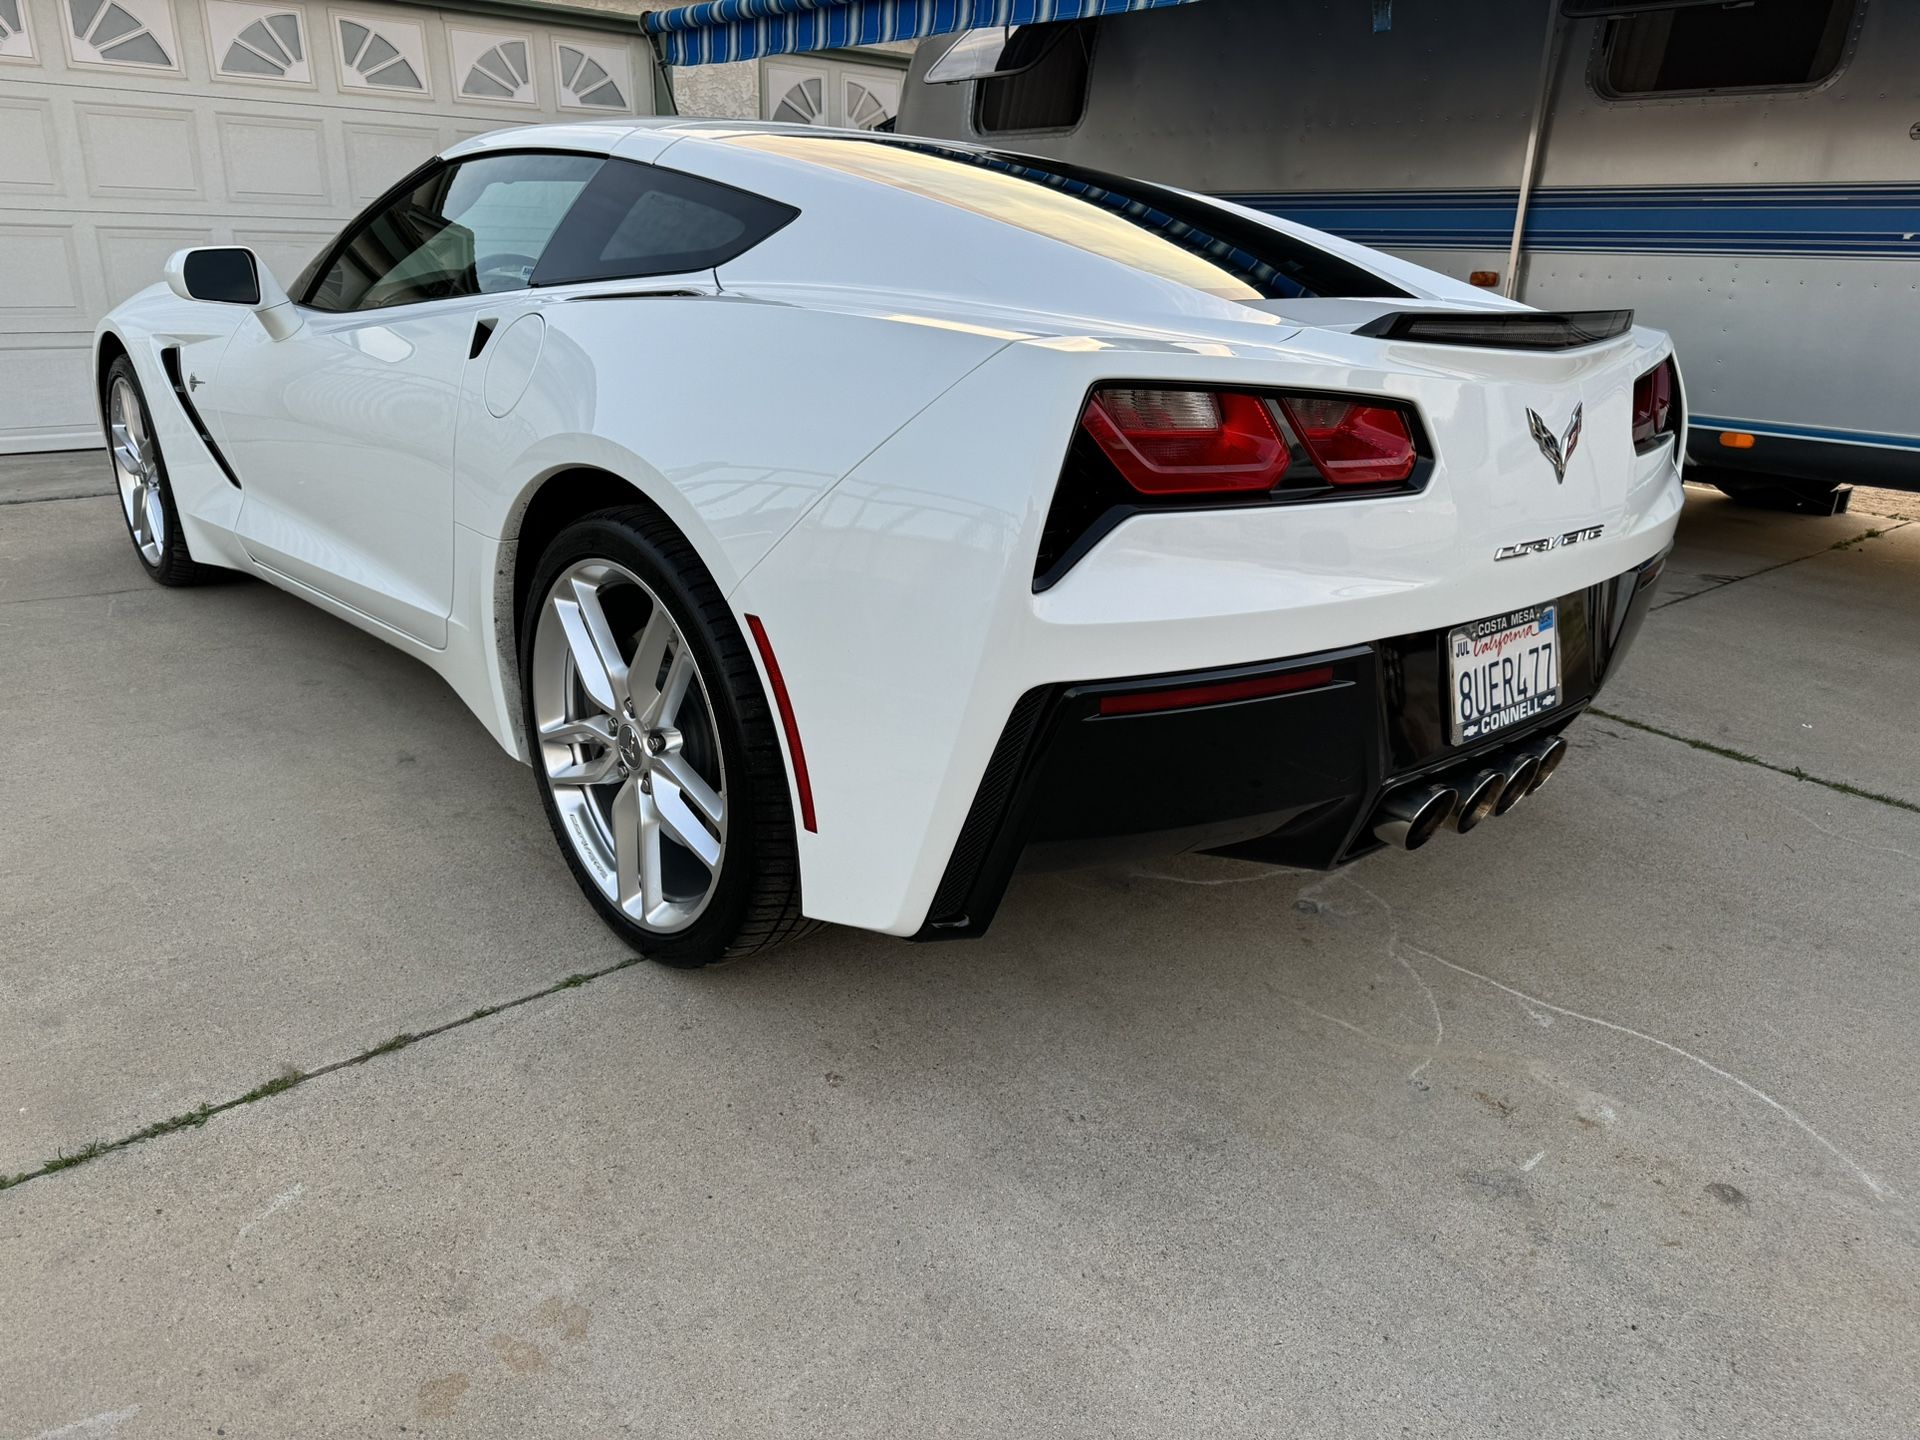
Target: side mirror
(233, 275)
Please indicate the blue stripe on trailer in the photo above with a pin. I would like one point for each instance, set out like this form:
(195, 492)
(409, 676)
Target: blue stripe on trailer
(1806, 432)
(1862, 221)
(723, 30)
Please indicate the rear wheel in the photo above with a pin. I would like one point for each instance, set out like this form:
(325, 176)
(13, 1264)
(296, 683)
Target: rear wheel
(146, 497)
(656, 757)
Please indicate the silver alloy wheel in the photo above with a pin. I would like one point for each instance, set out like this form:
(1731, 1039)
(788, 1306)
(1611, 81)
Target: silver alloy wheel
(629, 745)
(136, 464)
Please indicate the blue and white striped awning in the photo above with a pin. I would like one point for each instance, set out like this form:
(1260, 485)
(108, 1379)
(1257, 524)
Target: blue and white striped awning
(722, 30)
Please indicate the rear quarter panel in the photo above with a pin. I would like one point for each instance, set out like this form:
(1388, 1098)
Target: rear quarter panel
(734, 416)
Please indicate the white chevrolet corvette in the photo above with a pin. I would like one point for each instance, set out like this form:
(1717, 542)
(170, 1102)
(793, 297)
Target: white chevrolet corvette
(839, 522)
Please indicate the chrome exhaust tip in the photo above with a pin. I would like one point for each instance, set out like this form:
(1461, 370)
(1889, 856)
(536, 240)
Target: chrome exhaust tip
(1522, 770)
(1549, 753)
(1478, 796)
(1410, 818)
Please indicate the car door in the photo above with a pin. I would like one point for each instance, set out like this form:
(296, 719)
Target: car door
(342, 435)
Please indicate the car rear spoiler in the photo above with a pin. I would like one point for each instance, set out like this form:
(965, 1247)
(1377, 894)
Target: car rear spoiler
(1515, 330)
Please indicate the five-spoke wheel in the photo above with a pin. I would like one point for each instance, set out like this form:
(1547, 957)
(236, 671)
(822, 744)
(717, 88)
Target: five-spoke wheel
(140, 472)
(627, 739)
(136, 465)
(650, 736)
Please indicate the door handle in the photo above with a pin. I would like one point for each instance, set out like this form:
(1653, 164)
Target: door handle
(482, 332)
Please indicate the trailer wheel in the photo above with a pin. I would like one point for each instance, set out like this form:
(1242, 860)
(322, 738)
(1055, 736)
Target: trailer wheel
(1797, 497)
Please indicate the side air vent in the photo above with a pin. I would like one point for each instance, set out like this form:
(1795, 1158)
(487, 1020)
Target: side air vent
(170, 362)
(1518, 330)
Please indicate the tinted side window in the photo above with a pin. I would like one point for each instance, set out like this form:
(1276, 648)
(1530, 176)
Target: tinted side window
(635, 220)
(473, 228)
(1764, 44)
(1052, 65)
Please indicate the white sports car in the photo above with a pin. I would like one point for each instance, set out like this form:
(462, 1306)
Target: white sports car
(840, 522)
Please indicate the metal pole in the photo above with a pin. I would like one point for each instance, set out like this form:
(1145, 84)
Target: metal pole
(1549, 52)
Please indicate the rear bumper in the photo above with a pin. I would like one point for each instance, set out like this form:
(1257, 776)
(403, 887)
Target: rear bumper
(1291, 778)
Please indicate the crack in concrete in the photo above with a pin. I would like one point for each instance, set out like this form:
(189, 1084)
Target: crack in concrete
(87, 494)
(291, 1080)
(1792, 772)
(1879, 1188)
(1870, 533)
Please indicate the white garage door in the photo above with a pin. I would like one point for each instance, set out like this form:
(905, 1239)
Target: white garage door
(129, 128)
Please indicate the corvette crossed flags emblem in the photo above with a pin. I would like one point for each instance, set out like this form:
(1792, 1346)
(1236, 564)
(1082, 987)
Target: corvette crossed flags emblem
(1557, 451)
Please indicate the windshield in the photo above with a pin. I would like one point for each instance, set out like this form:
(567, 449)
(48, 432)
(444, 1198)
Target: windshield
(1147, 227)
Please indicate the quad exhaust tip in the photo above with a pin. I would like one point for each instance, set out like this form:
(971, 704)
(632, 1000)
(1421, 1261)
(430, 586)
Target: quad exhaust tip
(1412, 816)
(1523, 770)
(1477, 799)
(1409, 818)
(1549, 753)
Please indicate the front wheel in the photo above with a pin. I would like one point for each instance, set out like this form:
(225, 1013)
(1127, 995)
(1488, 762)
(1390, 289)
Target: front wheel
(656, 757)
(140, 472)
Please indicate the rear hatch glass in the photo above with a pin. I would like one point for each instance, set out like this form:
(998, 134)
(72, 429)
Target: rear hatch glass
(1165, 233)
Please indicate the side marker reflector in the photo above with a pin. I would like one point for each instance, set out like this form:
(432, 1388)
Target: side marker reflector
(1736, 439)
(784, 704)
(1148, 701)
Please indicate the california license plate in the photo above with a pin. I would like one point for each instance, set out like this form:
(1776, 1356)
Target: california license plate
(1503, 671)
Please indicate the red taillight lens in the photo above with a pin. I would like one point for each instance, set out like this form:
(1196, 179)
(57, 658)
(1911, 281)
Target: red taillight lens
(1187, 442)
(1653, 405)
(1352, 444)
(1188, 447)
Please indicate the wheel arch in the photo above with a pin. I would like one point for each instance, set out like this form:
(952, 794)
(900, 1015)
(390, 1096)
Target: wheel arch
(109, 348)
(548, 504)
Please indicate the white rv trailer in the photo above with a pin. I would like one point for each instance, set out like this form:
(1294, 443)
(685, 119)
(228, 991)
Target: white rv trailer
(1747, 175)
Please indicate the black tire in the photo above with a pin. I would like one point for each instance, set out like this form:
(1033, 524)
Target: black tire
(754, 902)
(175, 564)
(1803, 497)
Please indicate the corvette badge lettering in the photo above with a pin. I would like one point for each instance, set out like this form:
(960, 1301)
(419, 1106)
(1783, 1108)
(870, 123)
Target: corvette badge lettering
(1552, 542)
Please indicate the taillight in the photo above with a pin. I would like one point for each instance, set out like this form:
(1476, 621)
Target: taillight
(1144, 447)
(1188, 442)
(1351, 443)
(1653, 418)
(1167, 442)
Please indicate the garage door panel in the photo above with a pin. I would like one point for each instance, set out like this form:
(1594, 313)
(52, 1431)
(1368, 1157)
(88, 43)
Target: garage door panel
(494, 67)
(284, 252)
(378, 155)
(39, 274)
(260, 44)
(132, 256)
(28, 161)
(278, 159)
(46, 396)
(148, 151)
(381, 52)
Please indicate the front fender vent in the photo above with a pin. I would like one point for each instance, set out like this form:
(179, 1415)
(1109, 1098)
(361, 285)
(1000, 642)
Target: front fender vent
(170, 362)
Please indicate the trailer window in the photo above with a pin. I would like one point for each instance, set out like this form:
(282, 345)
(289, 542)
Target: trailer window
(1048, 68)
(1759, 45)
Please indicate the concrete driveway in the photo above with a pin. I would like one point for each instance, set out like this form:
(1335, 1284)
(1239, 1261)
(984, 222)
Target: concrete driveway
(1601, 1121)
